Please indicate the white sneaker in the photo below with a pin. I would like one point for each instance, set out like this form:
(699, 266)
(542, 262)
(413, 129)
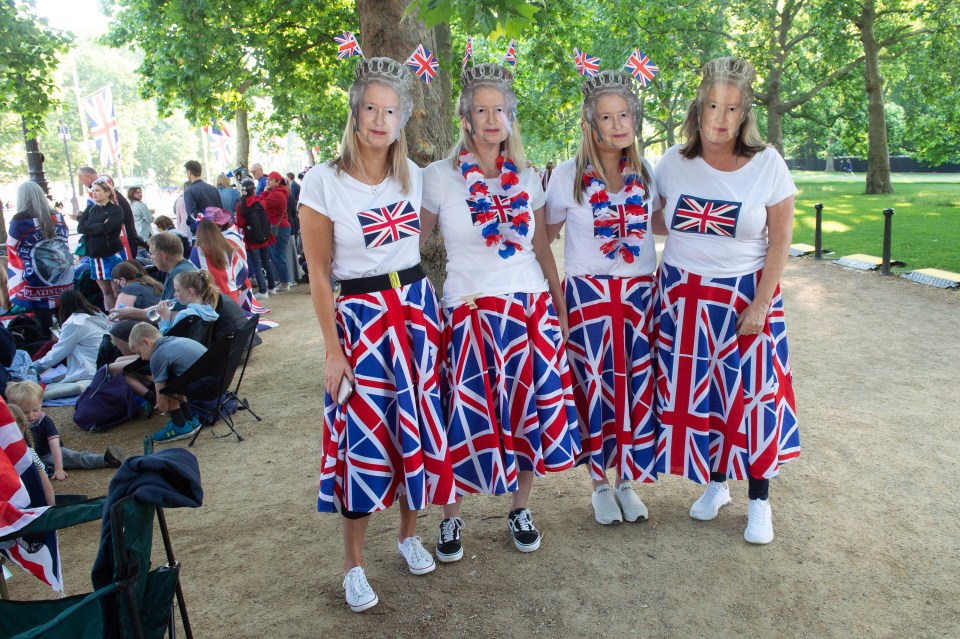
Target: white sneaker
(714, 497)
(631, 505)
(419, 560)
(291, 284)
(261, 296)
(360, 596)
(759, 522)
(605, 507)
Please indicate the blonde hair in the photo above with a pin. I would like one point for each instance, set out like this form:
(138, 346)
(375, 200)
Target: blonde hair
(20, 417)
(20, 393)
(513, 146)
(202, 282)
(740, 74)
(142, 331)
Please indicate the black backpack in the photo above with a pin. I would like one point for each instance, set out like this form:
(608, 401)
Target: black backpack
(256, 229)
(28, 333)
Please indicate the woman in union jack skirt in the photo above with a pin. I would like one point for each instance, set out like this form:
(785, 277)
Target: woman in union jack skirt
(724, 387)
(605, 197)
(384, 441)
(508, 395)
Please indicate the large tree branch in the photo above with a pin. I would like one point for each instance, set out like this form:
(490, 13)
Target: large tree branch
(827, 81)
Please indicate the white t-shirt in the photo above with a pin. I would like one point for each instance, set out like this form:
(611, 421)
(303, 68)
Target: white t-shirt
(717, 219)
(372, 234)
(581, 248)
(473, 268)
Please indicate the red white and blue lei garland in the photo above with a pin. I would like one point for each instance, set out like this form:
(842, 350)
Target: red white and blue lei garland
(606, 218)
(508, 242)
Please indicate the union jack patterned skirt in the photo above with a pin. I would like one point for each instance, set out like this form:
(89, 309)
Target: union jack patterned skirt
(725, 403)
(611, 321)
(508, 392)
(388, 440)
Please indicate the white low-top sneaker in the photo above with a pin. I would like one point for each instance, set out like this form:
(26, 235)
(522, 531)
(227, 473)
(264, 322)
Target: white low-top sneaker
(605, 507)
(419, 560)
(360, 596)
(714, 497)
(759, 522)
(631, 505)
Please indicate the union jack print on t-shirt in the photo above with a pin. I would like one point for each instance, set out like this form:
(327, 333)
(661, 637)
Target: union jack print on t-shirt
(389, 223)
(622, 226)
(709, 217)
(499, 210)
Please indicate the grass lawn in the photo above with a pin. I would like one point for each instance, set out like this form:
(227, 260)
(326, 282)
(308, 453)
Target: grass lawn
(926, 224)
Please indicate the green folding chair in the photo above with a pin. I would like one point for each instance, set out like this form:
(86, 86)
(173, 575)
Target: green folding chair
(142, 598)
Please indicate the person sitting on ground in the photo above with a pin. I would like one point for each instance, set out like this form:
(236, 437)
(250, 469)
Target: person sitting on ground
(164, 223)
(133, 286)
(167, 253)
(82, 327)
(24, 427)
(169, 358)
(28, 396)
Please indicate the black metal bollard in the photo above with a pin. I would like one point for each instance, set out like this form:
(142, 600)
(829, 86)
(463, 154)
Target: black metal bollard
(887, 233)
(818, 233)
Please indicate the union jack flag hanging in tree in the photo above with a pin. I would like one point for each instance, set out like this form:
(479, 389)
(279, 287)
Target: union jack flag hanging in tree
(103, 125)
(347, 45)
(467, 52)
(641, 68)
(423, 63)
(709, 217)
(588, 65)
(510, 57)
(219, 139)
(389, 223)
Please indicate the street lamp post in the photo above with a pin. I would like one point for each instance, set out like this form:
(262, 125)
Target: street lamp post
(64, 134)
(34, 159)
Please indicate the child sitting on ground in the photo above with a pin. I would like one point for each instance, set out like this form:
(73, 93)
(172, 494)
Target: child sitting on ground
(169, 358)
(28, 397)
(21, 420)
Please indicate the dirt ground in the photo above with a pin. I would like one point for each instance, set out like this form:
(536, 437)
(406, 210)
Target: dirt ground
(867, 521)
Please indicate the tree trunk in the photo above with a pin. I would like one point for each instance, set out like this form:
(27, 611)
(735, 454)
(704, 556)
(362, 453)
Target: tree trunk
(878, 155)
(775, 127)
(383, 33)
(829, 167)
(243, 138)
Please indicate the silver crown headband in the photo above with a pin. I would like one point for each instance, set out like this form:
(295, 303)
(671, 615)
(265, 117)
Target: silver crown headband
(384, 67)
(486, 72)
(604, 80)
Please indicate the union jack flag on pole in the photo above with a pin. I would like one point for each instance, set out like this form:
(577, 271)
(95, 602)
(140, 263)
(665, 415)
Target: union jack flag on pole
(347, 45)
(219, 139)
(103, 125)
(423, 63)
(588, 65)
(510, 57)
(641, 68)
(467, 53)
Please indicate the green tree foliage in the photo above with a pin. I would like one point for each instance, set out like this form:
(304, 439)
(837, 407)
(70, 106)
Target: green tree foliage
(29, 52)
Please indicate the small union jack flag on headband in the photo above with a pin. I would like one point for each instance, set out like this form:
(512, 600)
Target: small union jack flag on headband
(510, 57)
(423, 63)
(641, 68)
(588, 65)
(347, 45)
(467, 52)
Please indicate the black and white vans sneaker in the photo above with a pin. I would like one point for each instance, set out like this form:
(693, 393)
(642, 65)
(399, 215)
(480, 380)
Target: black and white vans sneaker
(525, 536)
(449, 548)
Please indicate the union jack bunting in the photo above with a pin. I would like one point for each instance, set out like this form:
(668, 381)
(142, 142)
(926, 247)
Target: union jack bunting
(510, 57)
(102, 121)
(389, 223)
(218, 137)
(21, 501)
(724, 403)
(389, 436)
(641, 68)
(347, 45)
(500, 211)
(610, 353)
(423, 63)
(467, 53)
(709, 217)
(588, 65)
(507, 392)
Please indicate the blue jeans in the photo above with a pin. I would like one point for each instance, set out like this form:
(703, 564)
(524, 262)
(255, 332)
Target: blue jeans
(258, 260)
(279, 254)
